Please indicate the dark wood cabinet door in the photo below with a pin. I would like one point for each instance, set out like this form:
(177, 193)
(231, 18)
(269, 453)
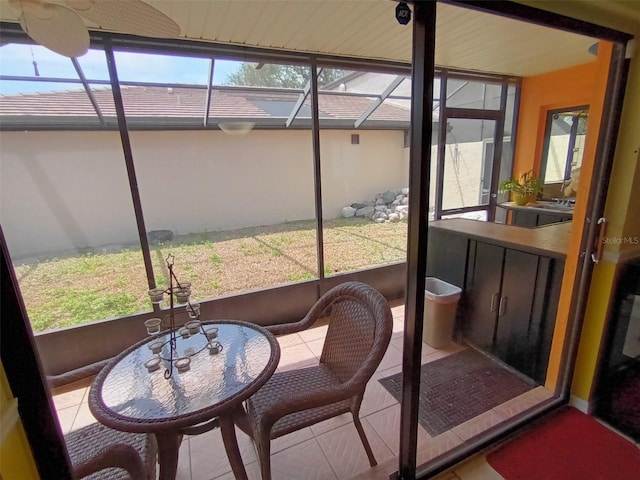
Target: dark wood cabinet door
(534, 219)
(447, 257)
(547, 219)
(524, 219)
(515, 323)
(509, 299)
(483, 294)
(545, 308)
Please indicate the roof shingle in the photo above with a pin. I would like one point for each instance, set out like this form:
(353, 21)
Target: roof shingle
(177, 102)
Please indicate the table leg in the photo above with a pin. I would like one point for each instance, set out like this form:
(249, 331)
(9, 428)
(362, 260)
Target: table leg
(168, 447)
(227, 428)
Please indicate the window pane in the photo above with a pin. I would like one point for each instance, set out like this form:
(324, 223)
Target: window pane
(435, 132)
(578, 150)
(566, 145)
(156, 68)
(68, 220)
(370, 100)
(361, 82)
(234, 207)
(94, 66)
(472, 94)
(42, 103)
(35, 61)
(66, 207)
(468, 163)
(260, 94)
(364, 180)
(174, 105)
(506, 161)
(480, 215)
(67, 107)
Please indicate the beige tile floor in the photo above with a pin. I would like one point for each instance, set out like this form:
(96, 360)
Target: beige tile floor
(331, 449)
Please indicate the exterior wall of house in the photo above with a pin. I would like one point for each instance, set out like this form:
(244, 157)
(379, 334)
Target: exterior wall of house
(569, 87)
(67, 190)
(582, 85)
(624, 226)
(625, 179)
(619, 208)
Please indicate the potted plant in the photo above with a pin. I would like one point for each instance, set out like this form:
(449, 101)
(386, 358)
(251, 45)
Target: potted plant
(525, 189)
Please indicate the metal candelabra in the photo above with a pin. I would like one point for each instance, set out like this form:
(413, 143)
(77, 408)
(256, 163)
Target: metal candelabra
(179, 293)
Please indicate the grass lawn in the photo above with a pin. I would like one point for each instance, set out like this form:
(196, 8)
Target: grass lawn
(62, 292)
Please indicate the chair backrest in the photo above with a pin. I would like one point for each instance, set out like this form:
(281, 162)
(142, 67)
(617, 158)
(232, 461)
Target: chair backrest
(359, 331)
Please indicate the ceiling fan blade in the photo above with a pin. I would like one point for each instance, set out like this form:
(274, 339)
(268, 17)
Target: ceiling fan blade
(127, 16)
(56, 28)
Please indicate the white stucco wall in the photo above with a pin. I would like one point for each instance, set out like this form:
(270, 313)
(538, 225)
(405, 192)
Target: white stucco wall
(67, 190)
(60, 190)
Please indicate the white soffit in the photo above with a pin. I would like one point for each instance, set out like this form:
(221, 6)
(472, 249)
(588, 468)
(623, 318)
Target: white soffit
(465, 39)
(472, 40)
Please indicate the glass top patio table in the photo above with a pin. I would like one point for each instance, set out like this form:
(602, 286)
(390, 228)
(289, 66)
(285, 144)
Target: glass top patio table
(126, 396)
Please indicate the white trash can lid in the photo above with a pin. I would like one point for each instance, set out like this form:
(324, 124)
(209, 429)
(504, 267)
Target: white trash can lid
(440, 291)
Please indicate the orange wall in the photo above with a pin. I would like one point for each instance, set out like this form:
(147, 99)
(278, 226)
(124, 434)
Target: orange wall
(580, 85)
(569, 87)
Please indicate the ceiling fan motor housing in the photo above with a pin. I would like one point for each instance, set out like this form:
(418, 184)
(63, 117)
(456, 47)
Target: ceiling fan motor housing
(62, 29)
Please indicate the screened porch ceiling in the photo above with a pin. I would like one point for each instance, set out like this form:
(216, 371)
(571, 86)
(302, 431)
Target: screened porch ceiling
(465, 39)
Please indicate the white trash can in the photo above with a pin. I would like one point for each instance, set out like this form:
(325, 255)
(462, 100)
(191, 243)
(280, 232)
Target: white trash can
(440, 306)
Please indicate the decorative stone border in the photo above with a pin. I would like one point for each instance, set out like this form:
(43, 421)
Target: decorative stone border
(390, 206)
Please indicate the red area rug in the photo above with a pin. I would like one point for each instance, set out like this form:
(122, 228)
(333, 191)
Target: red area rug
(568, 446)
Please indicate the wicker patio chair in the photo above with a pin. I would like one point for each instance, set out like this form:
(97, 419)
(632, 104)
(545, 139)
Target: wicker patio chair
(359, 331)
(98, 452)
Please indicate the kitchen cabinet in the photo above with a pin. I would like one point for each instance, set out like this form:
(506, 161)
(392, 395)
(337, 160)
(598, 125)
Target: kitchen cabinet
(532, 219)
(511, 303)
(510, 279)
(447, 257)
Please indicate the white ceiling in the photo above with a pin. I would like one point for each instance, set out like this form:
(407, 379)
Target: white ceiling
(465, 39)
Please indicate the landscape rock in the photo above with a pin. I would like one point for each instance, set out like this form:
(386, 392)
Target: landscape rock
(389, 206)
(366, 212)
(389, 196)
(360, 205)
(348, 212)
(159, 236)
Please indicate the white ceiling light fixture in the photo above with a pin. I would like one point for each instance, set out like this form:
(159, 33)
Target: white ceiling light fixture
(236, 128)
(62, 29)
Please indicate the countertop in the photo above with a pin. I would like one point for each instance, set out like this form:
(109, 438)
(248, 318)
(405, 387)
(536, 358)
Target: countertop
(548, 240)
(562, 211)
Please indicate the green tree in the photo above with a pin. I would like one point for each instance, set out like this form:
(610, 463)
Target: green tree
(283, 76)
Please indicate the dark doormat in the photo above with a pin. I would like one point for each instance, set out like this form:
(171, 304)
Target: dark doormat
(459, 387)
(624, 408)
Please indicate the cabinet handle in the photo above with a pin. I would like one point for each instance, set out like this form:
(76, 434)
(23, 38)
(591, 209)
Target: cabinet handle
(494, 302)
(600, 240)
(503, 306)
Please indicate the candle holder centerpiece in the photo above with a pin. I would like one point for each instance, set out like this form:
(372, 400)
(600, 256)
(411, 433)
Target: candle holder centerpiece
(167, 350)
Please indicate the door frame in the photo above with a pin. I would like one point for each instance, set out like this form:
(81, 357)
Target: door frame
(420, 163)
(445, 113)
(28, 376)
(26, 379)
